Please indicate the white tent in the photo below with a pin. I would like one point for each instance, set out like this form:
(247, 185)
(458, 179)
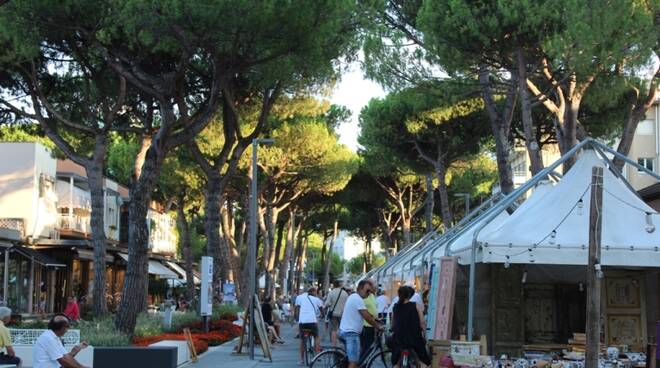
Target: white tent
(553, 228)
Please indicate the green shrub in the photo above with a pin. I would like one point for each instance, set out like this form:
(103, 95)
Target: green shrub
(148, 325)
(101, 332)
(36, 324)
(183, 320)
(220, 310)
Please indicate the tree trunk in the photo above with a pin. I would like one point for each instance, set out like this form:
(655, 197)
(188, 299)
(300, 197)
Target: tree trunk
(533, 148)
(271, 228)
(96, 182)
(136, 281)
(302, 245)
(297, 264)
(568, 137)
(214, 242)
(441, 172)
(184, 238)
(234, 248)
(405, 230)
(429, 203)
(328, 258)
(287, 259)
(500, 125)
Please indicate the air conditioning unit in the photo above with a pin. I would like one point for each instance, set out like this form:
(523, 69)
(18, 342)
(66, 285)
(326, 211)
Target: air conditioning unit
(54, 234)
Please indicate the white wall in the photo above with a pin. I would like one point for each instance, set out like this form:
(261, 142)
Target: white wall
(347, 246)
(20, 170)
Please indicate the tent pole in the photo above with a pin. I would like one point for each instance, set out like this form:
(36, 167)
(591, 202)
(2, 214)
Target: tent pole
(594, 273)
(497, 209)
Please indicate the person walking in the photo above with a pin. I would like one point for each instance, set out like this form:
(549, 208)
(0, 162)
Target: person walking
(408, 328)
(368, 331)
(8, 356)
(334, 304)
(352, 322)
(383, 304)
(307, 313)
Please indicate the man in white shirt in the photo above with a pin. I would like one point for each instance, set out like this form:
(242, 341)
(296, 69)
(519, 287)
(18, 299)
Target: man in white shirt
(49, 351)
(352, 320)
(308, 310)
(417, 299)
(382, 303)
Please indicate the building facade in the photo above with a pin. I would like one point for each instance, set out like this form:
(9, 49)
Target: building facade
(348, 246)
(645, 150)
(45, 212)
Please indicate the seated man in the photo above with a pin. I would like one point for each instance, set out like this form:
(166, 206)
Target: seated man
(49, 351)
(8, 356)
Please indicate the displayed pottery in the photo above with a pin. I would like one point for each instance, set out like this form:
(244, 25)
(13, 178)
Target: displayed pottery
(612, 353)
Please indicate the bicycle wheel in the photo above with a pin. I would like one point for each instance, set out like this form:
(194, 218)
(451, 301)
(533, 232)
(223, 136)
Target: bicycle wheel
(330, 359)
(381, 360)
(309, 349)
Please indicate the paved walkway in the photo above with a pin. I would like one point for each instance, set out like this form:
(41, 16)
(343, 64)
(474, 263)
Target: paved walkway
(286, 355)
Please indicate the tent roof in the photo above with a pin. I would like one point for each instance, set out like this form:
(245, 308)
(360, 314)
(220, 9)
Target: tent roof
(553, 228)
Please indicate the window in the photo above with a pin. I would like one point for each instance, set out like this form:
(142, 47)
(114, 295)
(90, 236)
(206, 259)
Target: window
(646, 162)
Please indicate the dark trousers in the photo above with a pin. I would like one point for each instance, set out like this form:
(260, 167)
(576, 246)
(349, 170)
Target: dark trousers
(366, 339)
(7, 359)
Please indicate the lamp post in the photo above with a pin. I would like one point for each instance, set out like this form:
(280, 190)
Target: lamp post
(467, 201)
(252, 251)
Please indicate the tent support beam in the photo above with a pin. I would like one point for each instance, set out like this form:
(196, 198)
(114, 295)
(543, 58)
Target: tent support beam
(626, 159)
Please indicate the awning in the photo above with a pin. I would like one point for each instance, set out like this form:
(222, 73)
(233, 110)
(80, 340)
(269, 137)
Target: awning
(156, 268)
(38, 257)
(178, 269)
(88, 255)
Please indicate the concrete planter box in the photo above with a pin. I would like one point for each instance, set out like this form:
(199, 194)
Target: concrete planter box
(183, 353)
(85, 357)
(136, 357)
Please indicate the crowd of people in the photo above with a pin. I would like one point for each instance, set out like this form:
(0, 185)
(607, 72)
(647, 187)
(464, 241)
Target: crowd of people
(355, 317)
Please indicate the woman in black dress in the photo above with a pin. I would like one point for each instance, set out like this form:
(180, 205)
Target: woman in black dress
(408, 326)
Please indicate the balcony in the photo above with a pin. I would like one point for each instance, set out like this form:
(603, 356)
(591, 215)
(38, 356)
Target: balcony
(12, 228)
(73, 225)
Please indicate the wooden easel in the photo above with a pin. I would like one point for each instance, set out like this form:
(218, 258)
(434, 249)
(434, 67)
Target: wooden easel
(191, 346)
(260, 330)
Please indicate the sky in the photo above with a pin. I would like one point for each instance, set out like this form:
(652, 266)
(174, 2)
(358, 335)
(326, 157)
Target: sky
(354, 92)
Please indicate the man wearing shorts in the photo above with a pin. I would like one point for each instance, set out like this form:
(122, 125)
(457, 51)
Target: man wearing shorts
(355, 313)
(334, 304)
(308, 310)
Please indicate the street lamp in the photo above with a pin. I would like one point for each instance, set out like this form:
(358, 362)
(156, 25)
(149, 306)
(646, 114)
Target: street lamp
(467, 201)
(252, 252)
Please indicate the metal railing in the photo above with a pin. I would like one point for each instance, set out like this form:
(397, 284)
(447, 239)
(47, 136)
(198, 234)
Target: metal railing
(30, 336)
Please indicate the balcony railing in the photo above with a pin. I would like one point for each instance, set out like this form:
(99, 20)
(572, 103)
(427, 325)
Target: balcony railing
(74, 223)
(15, 224)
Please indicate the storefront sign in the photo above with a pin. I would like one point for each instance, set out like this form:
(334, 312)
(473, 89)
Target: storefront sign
(229, 291)
(206, 297)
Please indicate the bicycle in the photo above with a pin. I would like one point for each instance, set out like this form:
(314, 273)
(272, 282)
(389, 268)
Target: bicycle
(308, 343)
(375, 357)
(408, 359)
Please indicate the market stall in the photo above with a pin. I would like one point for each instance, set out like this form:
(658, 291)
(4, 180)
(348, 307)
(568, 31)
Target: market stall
(526, 280)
